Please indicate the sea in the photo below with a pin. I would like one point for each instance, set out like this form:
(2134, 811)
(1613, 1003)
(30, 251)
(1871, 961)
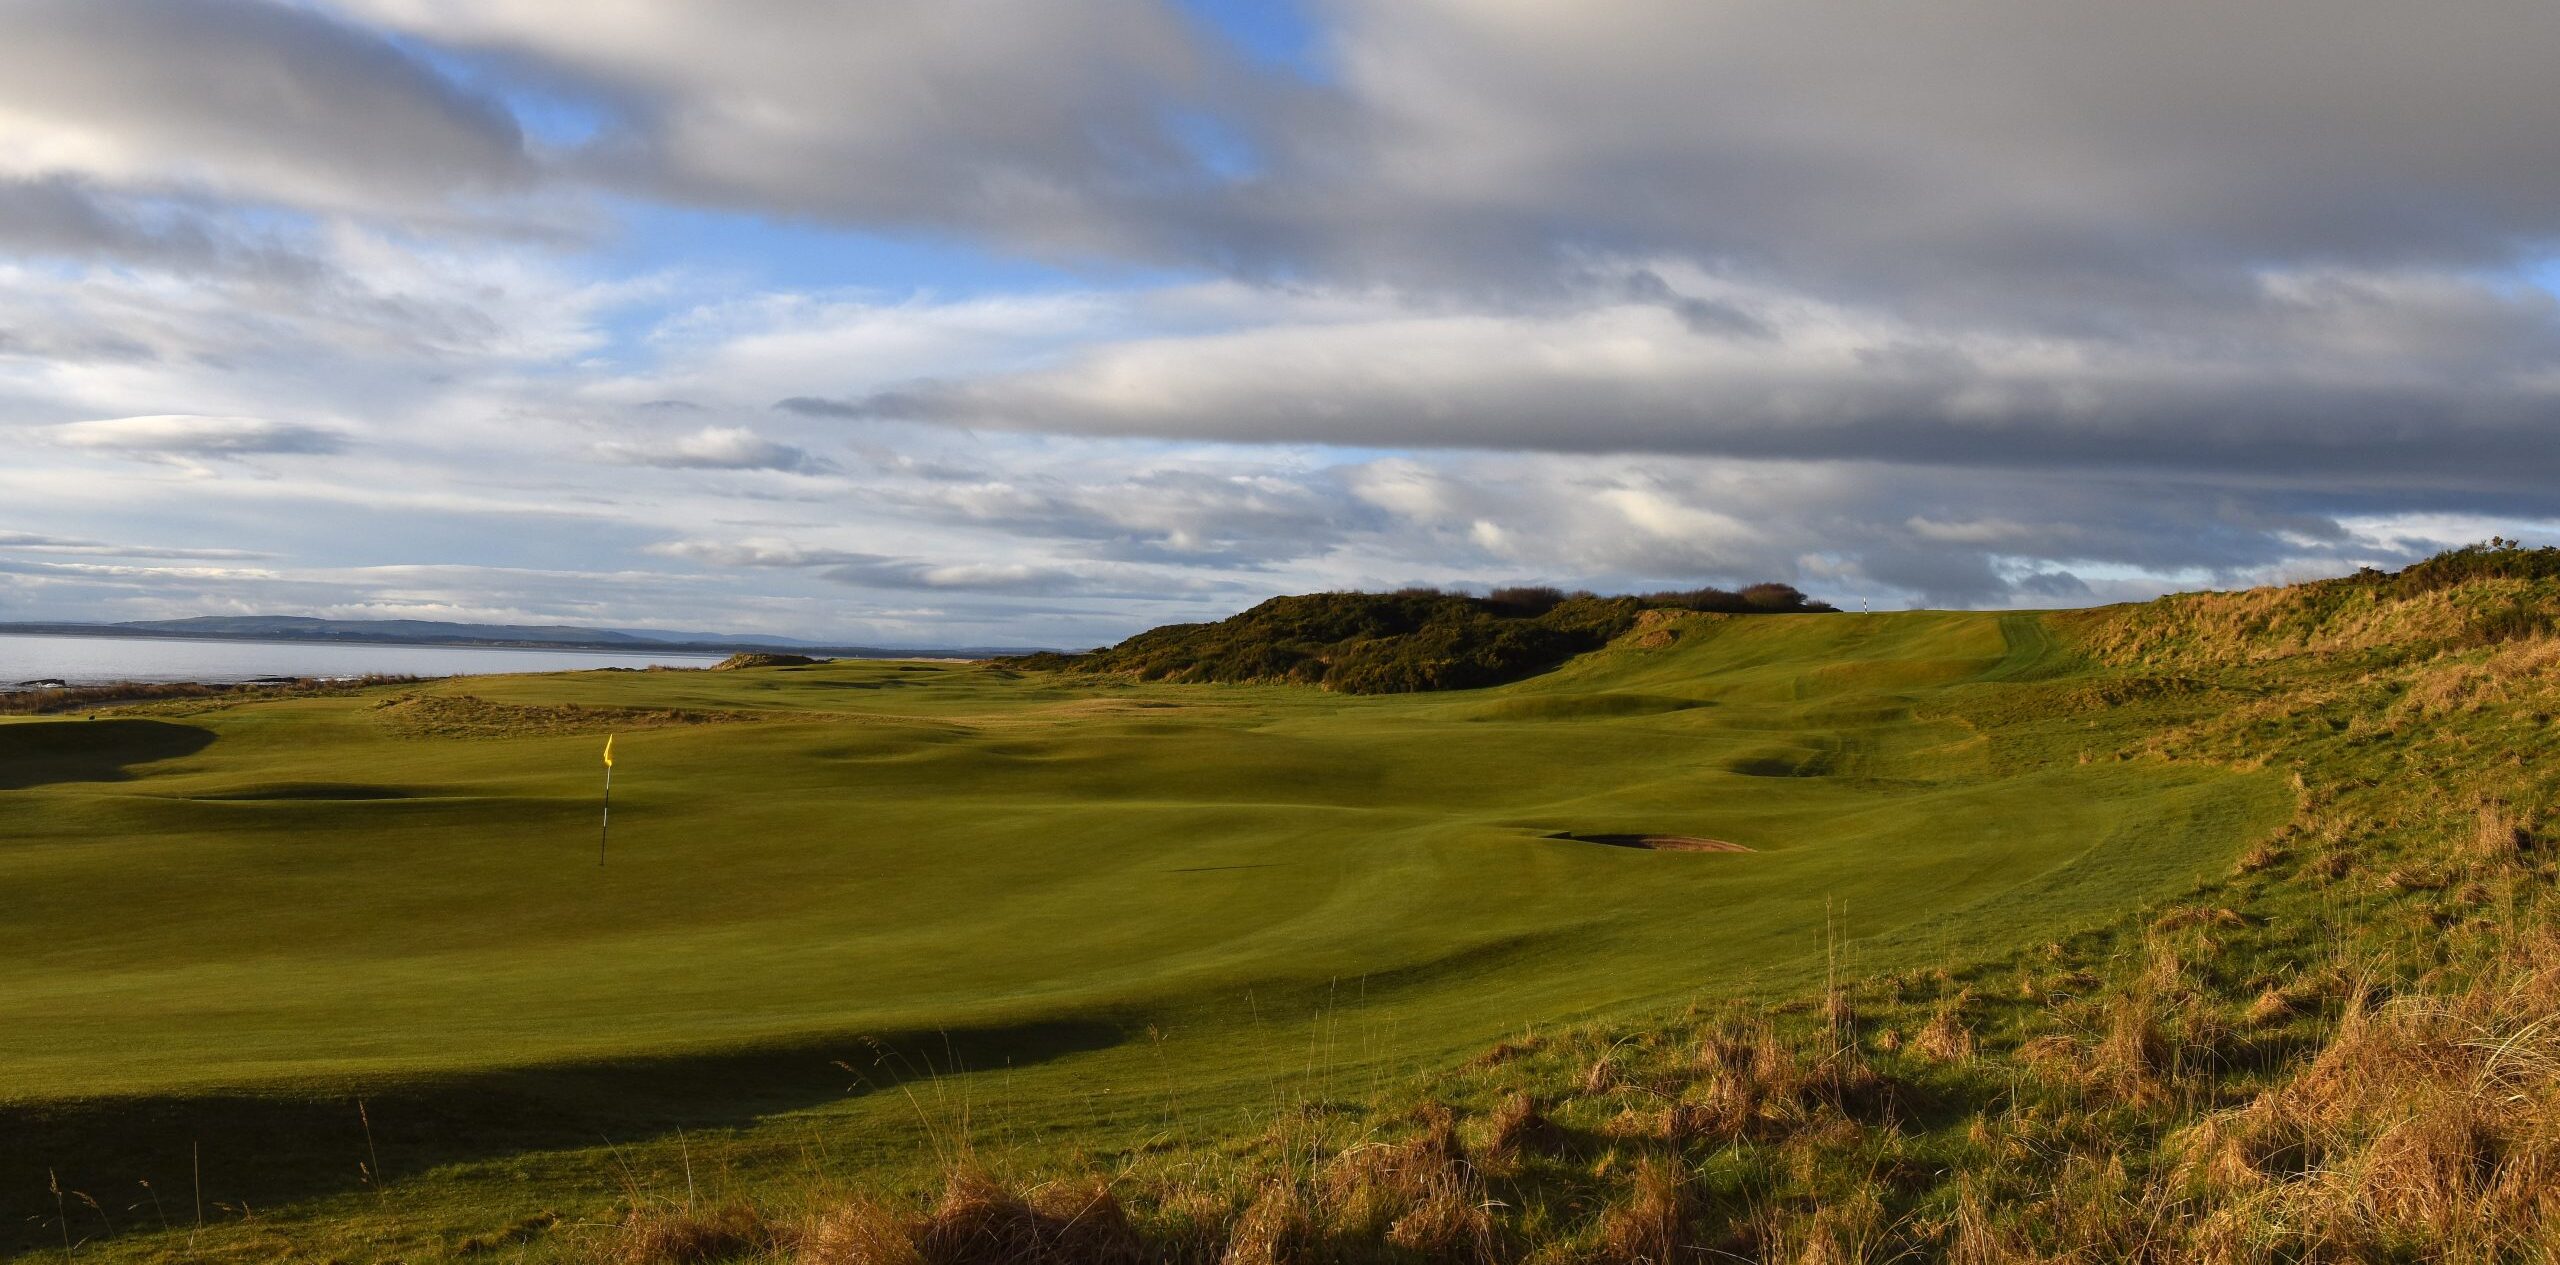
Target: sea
(100, 660)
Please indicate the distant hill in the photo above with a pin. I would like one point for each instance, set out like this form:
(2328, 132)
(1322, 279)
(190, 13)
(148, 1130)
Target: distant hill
(299, 626)
(1403, 642)
(426, 632)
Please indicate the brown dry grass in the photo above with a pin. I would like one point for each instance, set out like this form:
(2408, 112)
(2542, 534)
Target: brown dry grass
(469, 716)
(2424, 1119)
(1946, 1036)
(80, 698)
(1519, 1129)
(1652, 1225)
(681, 1237)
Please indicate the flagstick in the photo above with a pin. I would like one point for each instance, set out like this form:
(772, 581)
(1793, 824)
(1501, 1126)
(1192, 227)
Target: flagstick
(605, 829)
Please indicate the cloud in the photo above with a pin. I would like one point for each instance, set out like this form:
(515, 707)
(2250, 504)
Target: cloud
(128, 572)
(1099, 322)
(2059, 585)
(817, 406)
(900, 574)
(1184, 515)
(1056, 124)
(2000, 155)
(1702, 316)
(250, 100)
(68, 217)
(714, 448)
(759, 552)
(2322, 381)
(968, 577)
(184, 435)
(40, 543)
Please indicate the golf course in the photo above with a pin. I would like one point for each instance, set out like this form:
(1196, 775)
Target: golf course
(1084, 910)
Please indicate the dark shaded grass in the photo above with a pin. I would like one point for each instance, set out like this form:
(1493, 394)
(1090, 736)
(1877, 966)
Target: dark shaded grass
(44, 752)
(264, 1150)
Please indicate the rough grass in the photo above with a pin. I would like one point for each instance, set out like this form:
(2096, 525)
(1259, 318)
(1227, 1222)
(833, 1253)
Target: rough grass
(57, 700)
(469, 716)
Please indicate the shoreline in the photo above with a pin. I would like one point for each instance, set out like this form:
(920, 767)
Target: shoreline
(706, 649)
(167, 662)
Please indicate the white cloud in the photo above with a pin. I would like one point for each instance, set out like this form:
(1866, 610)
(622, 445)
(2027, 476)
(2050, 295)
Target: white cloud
(179, 435)
(713, 448)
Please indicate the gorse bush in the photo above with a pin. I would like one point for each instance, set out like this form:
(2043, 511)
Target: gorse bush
(2496, 558)
(2487, 594)
(1411, 640)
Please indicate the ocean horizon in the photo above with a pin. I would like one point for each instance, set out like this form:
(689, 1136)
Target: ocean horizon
(82, 659)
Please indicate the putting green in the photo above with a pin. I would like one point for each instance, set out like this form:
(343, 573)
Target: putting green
(364, 888)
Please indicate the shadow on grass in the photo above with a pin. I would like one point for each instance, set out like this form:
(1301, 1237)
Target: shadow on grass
(322, 792)
(38, 753)
(258, 1151)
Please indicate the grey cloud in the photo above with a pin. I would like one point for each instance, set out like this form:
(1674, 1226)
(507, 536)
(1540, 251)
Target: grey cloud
(1996, 156)
(715, 448)
(250, 99)
(865, 570)
(1991, 156)
(816, 406)
(2060, 585)
(1999, 159)
(1053, 124)
(56, 343)
(37, 542)
(2330, 378)
(71, 218)
(1182, 517)
(1702, 316)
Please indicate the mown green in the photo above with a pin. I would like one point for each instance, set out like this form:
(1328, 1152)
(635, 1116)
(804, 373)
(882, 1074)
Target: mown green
(1095, 911)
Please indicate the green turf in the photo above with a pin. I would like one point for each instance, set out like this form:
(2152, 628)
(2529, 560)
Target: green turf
(1175, 894)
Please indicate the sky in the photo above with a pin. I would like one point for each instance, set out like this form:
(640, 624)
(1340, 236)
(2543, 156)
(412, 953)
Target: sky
(1041, 322)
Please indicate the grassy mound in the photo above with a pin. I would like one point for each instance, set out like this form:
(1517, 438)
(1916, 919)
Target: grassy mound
(764, 659)
(1405, 642)
(446, 715)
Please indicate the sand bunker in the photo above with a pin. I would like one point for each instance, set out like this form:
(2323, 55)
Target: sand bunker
(1656, 843)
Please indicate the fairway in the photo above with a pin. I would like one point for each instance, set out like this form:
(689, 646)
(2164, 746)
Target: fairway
(380, 885)
(401, 885)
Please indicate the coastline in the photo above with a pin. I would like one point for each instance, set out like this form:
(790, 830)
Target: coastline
(63, 661)
(712, 647)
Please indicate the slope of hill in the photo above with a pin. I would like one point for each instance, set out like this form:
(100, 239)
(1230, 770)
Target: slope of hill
(1405, 642)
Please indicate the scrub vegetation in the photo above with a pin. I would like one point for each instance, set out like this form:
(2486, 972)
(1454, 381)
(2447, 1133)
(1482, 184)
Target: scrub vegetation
(2215, 928)
(1404, 642)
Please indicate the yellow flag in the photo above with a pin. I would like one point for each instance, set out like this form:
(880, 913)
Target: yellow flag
(608, 751)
